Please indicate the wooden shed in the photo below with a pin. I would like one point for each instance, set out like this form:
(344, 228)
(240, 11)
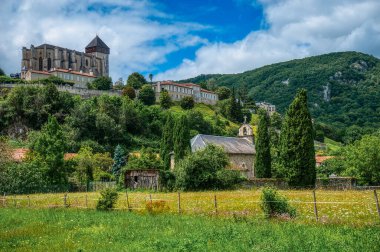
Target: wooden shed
(142, 179)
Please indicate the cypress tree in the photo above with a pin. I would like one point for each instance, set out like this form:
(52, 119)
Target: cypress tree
(181, 137)
(118, 160)
(297, 154)
(263, 157)
(167, 141)
(234, 108)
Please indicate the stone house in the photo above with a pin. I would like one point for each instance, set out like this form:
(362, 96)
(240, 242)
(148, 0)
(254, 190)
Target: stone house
(240, 150)
(177, 91)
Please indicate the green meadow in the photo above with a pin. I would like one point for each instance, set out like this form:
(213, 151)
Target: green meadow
(90, 230)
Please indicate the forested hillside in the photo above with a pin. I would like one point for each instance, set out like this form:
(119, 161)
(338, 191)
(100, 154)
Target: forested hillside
(343, 88)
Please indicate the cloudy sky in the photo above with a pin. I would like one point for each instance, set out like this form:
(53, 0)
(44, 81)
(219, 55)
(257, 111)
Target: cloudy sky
(177, 39)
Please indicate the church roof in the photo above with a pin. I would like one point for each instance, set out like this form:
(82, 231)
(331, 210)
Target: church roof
(97, 42)
(231, 145)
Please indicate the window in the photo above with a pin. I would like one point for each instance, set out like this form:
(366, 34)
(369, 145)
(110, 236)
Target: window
(49, 64)
(245, 131)
(40, 66)
(86, 62)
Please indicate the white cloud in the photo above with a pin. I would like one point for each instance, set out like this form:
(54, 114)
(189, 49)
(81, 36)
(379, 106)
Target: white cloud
(297, 28)
(130, 28)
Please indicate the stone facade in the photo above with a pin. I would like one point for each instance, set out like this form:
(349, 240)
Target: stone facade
(177, 91)
(269, 108)
(240, 150)
(46, 58)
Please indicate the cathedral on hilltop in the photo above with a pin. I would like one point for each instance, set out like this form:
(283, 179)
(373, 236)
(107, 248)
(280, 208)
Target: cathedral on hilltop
(78, 67)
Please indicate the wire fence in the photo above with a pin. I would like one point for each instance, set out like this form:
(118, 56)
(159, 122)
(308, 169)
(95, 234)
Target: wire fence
(348, 207)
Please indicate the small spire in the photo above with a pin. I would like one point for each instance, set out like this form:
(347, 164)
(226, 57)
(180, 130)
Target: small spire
(245, 119)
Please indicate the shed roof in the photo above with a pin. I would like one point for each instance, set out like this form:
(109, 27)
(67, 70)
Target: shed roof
(231, 145)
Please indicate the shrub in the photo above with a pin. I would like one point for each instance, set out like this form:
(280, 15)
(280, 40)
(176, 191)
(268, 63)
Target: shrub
(187, 102)
(107, 200)
(129, 91)
(273, 204)
(205, 169)
(156, 207)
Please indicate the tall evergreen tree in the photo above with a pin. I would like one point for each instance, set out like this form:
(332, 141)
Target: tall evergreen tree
(234, 108)
(118, 160)
(181, 138)
(297, 154)
(263, 156)
(167, 141)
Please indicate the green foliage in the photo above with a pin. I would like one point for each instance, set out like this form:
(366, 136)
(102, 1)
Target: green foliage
(297, 153)
(107, 200)
(165, 100)
(136, 80)
(234, 109)
(181, 138)
(362, 160)
(166, 146)
(205, 169)
(263, 155)
(48, 146)
(145, 159)
(147, 95)
(118, 160)
(31, 106)
(223, 93)
(101, 83)
(26, 177)
(2, 72)
(167, 180)
(274, 205)
(187, 102)
(353, 80)
(129, 91)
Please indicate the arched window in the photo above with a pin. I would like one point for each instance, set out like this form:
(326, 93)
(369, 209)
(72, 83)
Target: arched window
(245, 131)
(40, 67)
(49, 64)
(243, 166)
(86, 62)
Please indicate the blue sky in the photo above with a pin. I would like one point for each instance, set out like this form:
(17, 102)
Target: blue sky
(184, 38)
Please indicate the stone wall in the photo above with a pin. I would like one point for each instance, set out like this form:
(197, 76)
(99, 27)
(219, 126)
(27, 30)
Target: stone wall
(83, 92)
(243, 163)
(336, 183)
(261, 182)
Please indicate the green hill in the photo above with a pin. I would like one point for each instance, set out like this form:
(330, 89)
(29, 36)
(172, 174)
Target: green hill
(343, 88)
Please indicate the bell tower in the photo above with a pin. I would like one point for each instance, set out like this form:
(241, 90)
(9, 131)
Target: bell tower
(100, 50)
(246, 131)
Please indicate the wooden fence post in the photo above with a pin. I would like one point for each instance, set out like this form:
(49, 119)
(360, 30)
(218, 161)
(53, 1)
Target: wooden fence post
(215, 204)
(86, 201)
(64, 200)
(28, 201)
(179, 202)
(377, 202)
(315, 206)
(126, 195)
(4, 200)
(14, 200)
(150, 198)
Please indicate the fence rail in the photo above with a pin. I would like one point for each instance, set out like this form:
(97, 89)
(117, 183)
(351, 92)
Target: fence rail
(360, 208)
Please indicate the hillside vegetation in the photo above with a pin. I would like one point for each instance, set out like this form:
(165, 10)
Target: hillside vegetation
(343, 88)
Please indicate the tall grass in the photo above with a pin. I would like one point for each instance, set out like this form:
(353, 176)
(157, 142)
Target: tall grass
(90, 230)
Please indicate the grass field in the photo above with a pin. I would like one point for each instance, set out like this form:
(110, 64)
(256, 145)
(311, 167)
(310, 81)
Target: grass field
(354, 208)
(90, 230)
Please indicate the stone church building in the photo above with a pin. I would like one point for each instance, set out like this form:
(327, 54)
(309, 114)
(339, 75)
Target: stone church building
(240, 150)
(78, 67)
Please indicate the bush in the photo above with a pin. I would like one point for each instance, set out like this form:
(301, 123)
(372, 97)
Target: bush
(205, 169)
(107, 200)
(273, 204)
(167, 180)
(187, 102)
